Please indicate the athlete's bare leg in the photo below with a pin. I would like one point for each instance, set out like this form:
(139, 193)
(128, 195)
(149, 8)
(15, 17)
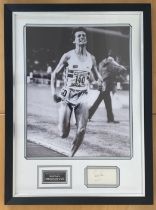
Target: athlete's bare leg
(64, 120)
(81, 114)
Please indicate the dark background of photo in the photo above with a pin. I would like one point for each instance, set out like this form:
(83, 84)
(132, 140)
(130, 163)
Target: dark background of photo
(46, 45)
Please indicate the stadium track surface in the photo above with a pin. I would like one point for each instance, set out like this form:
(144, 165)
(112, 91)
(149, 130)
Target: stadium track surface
(102, 139)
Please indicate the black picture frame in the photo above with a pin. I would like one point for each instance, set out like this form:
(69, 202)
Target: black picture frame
(9, 124)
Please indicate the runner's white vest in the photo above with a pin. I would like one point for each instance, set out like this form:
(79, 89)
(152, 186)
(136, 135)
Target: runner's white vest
(77, 72)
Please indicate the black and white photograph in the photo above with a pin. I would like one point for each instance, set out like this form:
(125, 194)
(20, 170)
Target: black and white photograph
(78, 96)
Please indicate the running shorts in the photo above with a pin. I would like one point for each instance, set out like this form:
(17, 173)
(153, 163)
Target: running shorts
(73, 97)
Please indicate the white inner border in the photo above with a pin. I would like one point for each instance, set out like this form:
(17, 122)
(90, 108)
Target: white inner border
(25, 171)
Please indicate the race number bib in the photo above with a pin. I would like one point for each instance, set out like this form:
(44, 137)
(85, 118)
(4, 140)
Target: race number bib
(79, 78)
(63, 93)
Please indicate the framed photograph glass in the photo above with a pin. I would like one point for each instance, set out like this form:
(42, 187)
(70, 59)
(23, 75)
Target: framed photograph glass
(78, 104)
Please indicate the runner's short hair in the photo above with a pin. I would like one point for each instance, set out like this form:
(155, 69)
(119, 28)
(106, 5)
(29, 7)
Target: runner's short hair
(76, 30)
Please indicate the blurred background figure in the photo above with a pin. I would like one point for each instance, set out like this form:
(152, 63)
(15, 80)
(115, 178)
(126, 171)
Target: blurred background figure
(110, 70)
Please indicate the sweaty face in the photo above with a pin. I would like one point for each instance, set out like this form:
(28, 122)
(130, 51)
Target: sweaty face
(80, 38)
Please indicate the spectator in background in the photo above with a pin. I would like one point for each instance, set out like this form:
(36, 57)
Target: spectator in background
(49, 69)
(109, 70)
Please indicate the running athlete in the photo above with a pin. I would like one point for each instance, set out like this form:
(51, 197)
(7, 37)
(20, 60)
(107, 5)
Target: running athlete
(77, 65)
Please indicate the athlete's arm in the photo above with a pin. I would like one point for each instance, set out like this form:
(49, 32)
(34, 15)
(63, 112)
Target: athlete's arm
(101, 65)
(95, 70)
(62, 63)
(121, 67)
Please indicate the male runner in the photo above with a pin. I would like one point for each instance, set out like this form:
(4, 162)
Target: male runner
(77, 64)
